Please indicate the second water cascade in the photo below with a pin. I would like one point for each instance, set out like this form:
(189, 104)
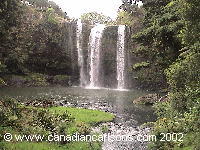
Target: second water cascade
(94, 52)
(121, 58)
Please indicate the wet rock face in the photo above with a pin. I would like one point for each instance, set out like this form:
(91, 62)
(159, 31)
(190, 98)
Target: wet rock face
(147, 99)
(86, 29)
(68, 42)
(109, 65)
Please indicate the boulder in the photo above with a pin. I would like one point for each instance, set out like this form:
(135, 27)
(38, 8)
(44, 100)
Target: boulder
(147, 99)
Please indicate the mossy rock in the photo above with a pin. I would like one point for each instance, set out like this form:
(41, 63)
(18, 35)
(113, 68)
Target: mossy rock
(63, 80)
(37, 79)
(149, 99)
(15, 80)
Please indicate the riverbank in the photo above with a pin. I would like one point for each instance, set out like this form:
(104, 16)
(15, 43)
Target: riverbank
(35, 80)
(50, 121)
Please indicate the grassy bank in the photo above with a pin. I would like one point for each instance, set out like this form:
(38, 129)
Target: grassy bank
(91, 117)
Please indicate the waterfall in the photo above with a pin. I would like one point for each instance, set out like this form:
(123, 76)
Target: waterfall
(80, 54)
(94, 51)
(121, 57)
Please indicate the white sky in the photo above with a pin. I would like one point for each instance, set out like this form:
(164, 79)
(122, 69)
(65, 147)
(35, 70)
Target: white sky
(75, 8)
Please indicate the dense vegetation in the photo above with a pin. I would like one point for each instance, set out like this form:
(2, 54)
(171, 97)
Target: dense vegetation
(31, 35)
(169, 46)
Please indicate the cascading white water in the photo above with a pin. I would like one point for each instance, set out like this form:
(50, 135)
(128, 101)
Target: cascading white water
(80, 53)
(94, 49)
(121, 57)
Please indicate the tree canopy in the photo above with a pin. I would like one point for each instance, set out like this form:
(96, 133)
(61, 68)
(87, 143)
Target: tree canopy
(94, 18)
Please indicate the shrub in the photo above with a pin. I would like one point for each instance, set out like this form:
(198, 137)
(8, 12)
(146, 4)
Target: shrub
(31, 120)
(37, 79)
(140, 65)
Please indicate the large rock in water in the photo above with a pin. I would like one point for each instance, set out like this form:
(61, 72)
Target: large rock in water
(147, 99)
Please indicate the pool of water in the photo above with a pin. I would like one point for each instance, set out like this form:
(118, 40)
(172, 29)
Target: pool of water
(120, 102)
